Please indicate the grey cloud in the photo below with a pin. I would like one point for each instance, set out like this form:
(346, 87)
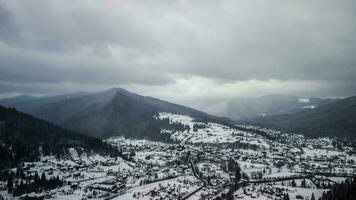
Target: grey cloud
(48, 68)
(160, 42)
(7, 29)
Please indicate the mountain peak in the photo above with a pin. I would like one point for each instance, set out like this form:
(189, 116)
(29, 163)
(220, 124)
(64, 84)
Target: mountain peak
(112, 112)
(116, 90)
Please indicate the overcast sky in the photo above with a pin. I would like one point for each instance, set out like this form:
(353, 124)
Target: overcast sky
(187, 52)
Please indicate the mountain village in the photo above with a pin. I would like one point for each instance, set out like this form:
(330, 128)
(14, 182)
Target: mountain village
(208, 161)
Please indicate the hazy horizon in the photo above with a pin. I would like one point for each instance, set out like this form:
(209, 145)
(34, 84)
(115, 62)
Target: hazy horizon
(201, 105)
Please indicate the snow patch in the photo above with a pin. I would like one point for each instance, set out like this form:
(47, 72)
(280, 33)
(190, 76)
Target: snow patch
(309, 107)
(303, 100)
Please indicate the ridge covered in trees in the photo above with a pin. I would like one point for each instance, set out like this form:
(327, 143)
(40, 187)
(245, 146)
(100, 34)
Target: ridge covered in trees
(25, 138)
(336, 119)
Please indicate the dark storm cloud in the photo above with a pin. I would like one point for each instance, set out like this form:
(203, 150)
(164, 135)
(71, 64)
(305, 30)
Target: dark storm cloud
(160, 43)
(50, 68)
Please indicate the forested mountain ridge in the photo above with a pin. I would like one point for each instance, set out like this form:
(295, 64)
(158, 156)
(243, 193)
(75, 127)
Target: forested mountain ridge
(24, 138)
(251, 107)
(113, 112)
(337, 119)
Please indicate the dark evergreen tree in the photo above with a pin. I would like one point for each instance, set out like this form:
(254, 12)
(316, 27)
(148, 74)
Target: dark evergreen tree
(286, 196)
(36, 179)
(293, 184)
(43, 180)
(237, 176)
(312, 197)
(10, 182)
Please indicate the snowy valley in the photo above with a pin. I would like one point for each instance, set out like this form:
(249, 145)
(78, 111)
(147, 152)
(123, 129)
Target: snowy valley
(203, 161)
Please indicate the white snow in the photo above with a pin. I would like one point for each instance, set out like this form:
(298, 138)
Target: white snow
(303, 100)
(309, 107)
(211, 133)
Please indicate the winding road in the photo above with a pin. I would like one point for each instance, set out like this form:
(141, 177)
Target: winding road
(192, 165)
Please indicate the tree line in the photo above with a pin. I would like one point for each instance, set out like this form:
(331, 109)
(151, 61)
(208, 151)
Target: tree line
(343, 191)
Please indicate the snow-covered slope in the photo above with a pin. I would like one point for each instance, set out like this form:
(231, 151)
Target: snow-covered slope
(200, 132)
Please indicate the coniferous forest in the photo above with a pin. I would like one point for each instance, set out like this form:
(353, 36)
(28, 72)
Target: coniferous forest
(343, 191)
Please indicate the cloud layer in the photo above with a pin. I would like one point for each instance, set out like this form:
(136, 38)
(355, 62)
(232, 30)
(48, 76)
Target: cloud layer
(234, 47)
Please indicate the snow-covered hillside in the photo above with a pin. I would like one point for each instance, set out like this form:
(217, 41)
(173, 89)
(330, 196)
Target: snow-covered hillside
(201, 132)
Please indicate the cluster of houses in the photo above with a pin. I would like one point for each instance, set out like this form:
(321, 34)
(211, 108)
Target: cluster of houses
(148, 163)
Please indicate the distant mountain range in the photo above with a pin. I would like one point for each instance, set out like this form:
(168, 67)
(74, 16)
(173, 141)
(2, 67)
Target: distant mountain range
(244, 108)
(336, 119)
(25, 138)
(112, 112)
(118, 112)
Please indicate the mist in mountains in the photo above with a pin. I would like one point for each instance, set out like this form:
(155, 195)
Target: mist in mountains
(336, 119)
(243, 108)
(118, 112)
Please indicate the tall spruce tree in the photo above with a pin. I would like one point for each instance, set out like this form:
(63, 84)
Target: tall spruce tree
(10, 182)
